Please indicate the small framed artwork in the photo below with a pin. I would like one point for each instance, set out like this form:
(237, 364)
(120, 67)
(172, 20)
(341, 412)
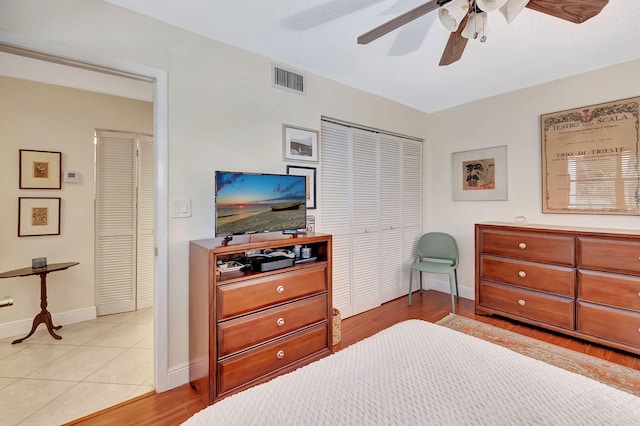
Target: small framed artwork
(480, 174)
(40, 169)
(300, 144)
(38, 216)
(310, 173)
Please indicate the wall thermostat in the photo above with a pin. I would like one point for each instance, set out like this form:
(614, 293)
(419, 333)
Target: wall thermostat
(72, 177)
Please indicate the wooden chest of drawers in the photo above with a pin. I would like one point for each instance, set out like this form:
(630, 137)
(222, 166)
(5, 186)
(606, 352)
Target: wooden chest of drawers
(247, 327)
(578, 281)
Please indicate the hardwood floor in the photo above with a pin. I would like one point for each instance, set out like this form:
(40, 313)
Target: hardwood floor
(177, 405)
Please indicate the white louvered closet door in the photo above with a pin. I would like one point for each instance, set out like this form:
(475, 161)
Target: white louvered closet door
(391, 216)
(366, 180)
(122, 241)
(145, 232)
(335, 157)
(365, 268)
(411, 204)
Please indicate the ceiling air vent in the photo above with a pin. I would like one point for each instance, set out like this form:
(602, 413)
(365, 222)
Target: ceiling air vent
(288, 80)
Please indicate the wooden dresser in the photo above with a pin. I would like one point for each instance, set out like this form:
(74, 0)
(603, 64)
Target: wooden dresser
(246, 327)
(579, 281)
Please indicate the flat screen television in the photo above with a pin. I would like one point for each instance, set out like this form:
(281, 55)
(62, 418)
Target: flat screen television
(247, 203)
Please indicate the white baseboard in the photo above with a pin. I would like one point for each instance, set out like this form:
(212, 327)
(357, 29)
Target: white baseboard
(23, 326)
(178, 375)
(443, 286)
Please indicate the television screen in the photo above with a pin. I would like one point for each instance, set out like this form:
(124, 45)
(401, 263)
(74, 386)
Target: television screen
(258, 202)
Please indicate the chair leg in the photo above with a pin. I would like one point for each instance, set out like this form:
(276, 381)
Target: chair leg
(410, 284)
(453, 302)
(420, 272)
(455, 274)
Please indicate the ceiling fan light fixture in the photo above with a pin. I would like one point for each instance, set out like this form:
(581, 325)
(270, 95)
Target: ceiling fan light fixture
(512, 8)
(453, 13)
(490, 5)
(476, 27)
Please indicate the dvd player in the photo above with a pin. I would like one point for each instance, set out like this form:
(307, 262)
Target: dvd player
(270, 263)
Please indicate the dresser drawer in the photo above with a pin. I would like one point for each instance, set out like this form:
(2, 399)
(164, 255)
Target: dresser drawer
(608, 323)
(606, 254)
(622, 291)
(554, 310)
(247, 366)
(241, 333)
(254, 294)
(558, 280)
(532, 246)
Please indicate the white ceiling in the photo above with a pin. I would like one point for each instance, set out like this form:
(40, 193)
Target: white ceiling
(320, 36)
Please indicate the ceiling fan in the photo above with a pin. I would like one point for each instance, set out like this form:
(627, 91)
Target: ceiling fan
(467, 19)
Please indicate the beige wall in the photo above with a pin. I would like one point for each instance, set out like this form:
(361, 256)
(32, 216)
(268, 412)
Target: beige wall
(513, 119)
(44, 117)
(223, 112)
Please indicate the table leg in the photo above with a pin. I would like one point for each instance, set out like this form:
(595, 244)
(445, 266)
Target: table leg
(44, 317)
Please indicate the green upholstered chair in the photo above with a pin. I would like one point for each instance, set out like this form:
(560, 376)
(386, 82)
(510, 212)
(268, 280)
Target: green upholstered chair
(436, 253)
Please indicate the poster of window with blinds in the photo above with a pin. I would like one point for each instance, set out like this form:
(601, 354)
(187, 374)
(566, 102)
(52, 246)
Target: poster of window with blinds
(591, 160)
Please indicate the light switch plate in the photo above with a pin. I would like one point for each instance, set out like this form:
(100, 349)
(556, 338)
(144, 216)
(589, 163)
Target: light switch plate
(181, 208)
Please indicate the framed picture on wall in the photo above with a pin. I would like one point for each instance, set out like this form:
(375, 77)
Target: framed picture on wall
(480, 174)
(310, 173)
(38, 216)
(40, 169)
(300, 144)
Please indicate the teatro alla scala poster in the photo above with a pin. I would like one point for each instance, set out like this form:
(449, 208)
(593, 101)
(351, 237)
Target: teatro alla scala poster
(590, 159)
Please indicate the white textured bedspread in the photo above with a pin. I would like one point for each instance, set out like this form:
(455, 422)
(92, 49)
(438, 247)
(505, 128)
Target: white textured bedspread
(418, 373)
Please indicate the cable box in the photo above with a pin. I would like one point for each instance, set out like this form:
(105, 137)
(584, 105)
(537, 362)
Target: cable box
(265, 264)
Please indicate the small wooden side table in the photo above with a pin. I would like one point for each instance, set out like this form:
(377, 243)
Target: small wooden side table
(44, 316)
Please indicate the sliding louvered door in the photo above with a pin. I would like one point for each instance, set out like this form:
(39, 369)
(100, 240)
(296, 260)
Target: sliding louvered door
(411, 178)
(145, 236)
(390, 188)
(335, 203)
(124, 253)
(365, 263)
(367, 178)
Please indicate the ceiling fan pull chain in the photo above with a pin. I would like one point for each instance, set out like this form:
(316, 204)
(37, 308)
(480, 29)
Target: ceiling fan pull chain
(484, 36)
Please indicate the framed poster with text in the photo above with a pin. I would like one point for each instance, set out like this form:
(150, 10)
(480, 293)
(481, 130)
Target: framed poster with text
(590, 159)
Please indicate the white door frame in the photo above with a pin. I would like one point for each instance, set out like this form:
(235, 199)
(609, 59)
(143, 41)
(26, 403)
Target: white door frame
(161, 183)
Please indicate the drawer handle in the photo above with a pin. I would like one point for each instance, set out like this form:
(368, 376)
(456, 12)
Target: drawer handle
(280, 354)
(280, 322)
(522, 274)
(521, 302)
(522, 246)
(280, 289)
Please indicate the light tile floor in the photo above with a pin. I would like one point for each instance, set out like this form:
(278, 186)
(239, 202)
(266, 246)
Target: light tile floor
(97, 364)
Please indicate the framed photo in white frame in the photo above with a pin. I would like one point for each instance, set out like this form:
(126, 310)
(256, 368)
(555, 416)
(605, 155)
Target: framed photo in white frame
(480, 174)
(300, 144)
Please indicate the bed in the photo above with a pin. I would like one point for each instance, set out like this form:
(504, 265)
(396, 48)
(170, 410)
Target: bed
(416, 372)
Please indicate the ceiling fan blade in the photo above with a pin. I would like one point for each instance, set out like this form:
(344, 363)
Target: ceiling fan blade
(455, 46)
(576, 11)
(399, 21)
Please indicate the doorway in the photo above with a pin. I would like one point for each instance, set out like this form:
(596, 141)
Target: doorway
(159, 80)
